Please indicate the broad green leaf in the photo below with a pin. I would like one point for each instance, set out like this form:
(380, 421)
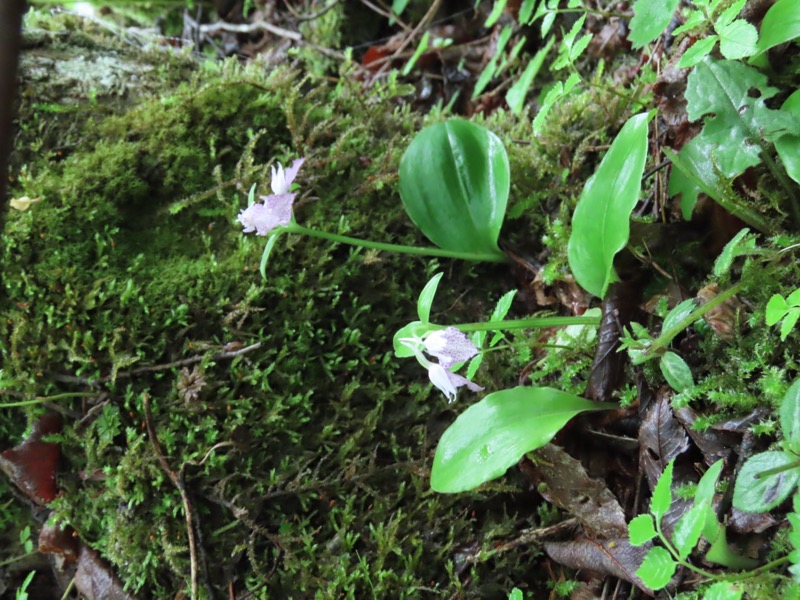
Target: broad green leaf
(694, 171)
(723, 590)
(425, 299)
(657, 568)
(641, 530)
(601, 223)
(688, 529)
(781, 24)
(790, 417)
(676, 372)
(454, 183)
(515, 97)
(415, 329)
(493, 434)
(738, 39)
(754, 493)
(737, 120)
(697, 52)
(497, 10)
(650, 20)
(788, 146)
(662, 493)
(741, 244)
(789, 321)
(707, 486)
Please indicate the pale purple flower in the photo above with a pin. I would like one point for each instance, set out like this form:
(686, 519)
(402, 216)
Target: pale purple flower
(262, 218)
(282, 180)
(449, 382)
(275, 210)
(450, 346)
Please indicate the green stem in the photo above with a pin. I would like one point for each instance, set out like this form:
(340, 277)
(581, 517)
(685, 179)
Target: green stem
(416, 250)
(18, 558)
(776, 470)
(527, 323)
(40, 399)
(667, 336)
(767, 567)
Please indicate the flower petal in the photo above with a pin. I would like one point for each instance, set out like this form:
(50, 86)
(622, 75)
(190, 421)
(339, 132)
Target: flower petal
(282, 179)
(450, 346)
(449, 382)
(263, 217)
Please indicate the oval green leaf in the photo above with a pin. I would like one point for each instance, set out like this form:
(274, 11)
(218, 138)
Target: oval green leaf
(454, 183)
(757, 494)
(780, 24)
(657, 568)
(676, 372)
(790, 417)
(788, 146)
(601, 223)
(425, 300)
(493, 434)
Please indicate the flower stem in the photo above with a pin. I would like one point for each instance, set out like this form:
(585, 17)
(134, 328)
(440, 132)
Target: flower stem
(527, 323)
(417, 250)
(40, 399)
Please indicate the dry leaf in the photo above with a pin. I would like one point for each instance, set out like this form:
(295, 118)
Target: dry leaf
(661, 437)
(23, 203)
(32, 464)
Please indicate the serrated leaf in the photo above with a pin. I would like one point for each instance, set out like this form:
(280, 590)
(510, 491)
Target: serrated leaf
(662, 493)
(557, 91)
(425, 300)
(601, 222)
(738, 40)
(641, 530)
(695, 18)
(697, 52)
(493, 434)
(676, 372)
(777, 308)
(707, 486)
(657, 568)
(454, 184)
(491, 68)
(756, 494)
(650, 20)
(794, 298)
(729, 14)
(741, 244)
(790, 416)
(723, 89)
(781, 24)
(723, 590)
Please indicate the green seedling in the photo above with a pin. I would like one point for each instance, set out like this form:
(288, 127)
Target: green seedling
(785, 311)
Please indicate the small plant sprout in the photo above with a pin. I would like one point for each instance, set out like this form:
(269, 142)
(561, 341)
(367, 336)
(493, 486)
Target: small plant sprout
(784, 310)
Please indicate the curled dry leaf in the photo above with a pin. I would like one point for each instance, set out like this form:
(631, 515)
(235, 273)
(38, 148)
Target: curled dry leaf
(611, 557)
(32, 464)
(722, 318)
(661, 437)
(569, 487)
(93, 577)
(713, 444)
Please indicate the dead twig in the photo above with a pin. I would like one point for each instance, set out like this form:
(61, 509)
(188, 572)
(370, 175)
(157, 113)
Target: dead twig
(154, 368)
(250, 28)
(178, 482)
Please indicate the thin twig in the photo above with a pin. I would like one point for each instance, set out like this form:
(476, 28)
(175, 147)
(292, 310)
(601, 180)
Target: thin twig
(387, 14)
(177, 481)
(154, 368)
(301, 17)
(420, 26)
(250, 28)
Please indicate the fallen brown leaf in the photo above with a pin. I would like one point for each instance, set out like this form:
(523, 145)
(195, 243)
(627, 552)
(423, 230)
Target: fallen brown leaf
(32, 464)
(661, 437)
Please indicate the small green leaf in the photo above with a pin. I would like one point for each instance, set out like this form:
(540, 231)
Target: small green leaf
(662, 493)
(425, 299)
(794, 298)
(657, 568)
(556, 92)
(641, 530)
(777, 308)
(723, 590)
(493, 434)
(678, 314)
(650, 19)
(421, 48)
(271, 241)
(526, 11)
(676, 372)
(515, 97)
(688, 529)
(781, 24)
(789, 321)
(497, 10)
(491, 69)
(697, 52)
(454, 183)
(515, 594)
(415, 329)
(788, 146)
(790, 417)
(695, 18)
(707, 486)
(738, 40)
(729, 14)
(756, 494)
(742, 243)
(601, 223)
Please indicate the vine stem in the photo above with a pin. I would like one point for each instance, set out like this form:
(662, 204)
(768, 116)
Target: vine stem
(527, 323)
(415, 250)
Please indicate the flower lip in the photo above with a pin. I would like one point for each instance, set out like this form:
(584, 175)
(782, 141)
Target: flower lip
(275, 211)
(450, 346)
